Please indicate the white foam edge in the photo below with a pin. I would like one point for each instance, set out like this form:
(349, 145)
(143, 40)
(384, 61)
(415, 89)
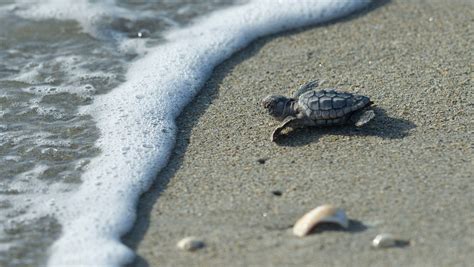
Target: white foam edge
(137, 121)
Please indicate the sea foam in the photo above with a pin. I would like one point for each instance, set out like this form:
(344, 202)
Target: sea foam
(137, 119)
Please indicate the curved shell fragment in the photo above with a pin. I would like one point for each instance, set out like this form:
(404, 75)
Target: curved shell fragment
(321, 214)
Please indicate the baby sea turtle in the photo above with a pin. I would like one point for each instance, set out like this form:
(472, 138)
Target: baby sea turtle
(309, 107)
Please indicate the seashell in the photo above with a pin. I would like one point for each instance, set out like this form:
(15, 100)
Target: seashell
(190, 243)
(321, 214)
(386, 240)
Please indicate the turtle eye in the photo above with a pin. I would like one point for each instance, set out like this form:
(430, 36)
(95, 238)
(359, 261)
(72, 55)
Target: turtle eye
(267, 102)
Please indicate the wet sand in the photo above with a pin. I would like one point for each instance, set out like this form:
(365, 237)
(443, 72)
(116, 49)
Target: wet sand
(409, 172)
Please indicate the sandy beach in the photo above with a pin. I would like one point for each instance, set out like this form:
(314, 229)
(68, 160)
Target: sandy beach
(409, 172)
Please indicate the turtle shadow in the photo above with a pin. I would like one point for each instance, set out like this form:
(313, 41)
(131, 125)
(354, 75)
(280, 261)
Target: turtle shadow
(382, 126)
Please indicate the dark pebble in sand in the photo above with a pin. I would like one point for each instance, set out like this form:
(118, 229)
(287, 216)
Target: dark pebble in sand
(277, 193)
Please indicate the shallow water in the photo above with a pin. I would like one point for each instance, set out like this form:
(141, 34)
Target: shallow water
(48, 69)
(89, 94)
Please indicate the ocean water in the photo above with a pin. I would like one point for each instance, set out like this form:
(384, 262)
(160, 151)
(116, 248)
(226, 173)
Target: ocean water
(89, 94)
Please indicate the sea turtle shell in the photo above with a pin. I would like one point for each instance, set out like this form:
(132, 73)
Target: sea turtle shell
(330, 107)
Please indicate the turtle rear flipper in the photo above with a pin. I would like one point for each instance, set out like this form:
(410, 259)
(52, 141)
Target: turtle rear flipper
(362, 117)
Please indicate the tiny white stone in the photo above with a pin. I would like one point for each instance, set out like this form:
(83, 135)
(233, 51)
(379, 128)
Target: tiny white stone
(384, 240)
(190, 243)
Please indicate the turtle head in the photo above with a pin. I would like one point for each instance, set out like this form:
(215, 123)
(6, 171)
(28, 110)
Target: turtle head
(278, 106)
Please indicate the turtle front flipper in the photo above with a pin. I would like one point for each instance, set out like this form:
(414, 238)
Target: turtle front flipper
(362, 117)
(287, 122)
(306, 87)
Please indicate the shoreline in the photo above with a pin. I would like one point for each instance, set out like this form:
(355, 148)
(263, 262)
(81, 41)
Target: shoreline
(388, 176)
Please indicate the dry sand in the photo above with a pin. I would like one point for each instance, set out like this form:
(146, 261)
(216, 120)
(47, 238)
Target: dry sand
(410, 172)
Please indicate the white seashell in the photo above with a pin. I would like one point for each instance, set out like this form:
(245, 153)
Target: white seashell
(190, 243)
(384, 240)
(321, 214)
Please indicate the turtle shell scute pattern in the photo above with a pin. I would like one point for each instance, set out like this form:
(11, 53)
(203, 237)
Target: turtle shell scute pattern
(330, 105)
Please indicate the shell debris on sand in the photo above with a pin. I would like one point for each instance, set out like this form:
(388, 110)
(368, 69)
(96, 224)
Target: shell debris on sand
(190, 243)
(321, 214)
(386, 240)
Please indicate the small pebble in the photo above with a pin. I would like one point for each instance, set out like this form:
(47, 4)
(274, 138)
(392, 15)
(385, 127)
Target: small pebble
(277, 193)
(190, 243)
(387, 240)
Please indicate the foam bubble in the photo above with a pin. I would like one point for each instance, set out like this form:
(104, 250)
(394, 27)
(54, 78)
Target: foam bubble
(137, 119)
